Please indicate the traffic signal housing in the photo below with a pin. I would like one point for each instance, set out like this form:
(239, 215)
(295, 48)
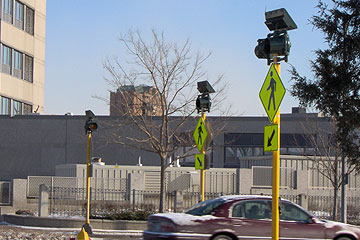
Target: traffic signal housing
(276, 44)
(203, 103)
(90, 124)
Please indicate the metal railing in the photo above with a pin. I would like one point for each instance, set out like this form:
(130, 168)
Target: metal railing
(72, 201)
(322, 207)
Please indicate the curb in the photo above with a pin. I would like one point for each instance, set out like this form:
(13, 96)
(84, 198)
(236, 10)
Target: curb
(51, 222)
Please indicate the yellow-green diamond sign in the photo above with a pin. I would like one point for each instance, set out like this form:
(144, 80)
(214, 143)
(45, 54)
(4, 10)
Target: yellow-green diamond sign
(272, 92)
(271, 138)
(200, 134)
(199, 161)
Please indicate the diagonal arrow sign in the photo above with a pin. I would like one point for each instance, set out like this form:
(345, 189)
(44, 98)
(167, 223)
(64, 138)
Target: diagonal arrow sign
(200, 163)
(271, 138)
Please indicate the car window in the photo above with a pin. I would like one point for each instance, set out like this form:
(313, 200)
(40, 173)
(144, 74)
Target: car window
(290, 212)
(238, 210)
(206, 207)
(257, 209)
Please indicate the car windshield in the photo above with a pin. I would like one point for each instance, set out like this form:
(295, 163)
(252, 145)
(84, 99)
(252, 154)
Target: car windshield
(206, 207)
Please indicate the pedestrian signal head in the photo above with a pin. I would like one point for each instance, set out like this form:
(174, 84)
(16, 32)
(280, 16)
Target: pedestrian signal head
(276, 43)
(203, 102)
(90, 124)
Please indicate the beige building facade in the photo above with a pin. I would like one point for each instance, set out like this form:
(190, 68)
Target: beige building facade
(22, 62)
(138, 100)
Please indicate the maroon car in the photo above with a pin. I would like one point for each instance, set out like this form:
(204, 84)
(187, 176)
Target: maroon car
(244, 217)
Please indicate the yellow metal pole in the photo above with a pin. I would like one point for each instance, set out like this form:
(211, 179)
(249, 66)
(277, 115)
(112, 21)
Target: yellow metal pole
(202, 171)
(88, 180)
(276, 174)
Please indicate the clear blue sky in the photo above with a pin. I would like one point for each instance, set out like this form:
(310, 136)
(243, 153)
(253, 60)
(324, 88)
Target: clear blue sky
(81, 34)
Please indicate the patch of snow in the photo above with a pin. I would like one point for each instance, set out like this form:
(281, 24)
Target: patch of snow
(185, 219)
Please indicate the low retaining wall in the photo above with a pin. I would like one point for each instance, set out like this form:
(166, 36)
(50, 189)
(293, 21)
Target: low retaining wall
(73, 223)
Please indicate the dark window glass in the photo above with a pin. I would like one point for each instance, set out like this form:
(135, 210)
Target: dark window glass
(297, 140)
(28, 71)
(206, 207)
(244, 139)
(290, 212)
(29, 21)
(27, 108)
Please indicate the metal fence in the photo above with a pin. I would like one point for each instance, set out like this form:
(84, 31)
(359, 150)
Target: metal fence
(72, 201)
(110, 184)
(322, 207)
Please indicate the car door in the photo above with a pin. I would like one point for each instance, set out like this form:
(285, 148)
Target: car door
(296, 223)
(248, 224)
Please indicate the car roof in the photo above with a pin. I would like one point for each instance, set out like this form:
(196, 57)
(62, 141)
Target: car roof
(231, 198)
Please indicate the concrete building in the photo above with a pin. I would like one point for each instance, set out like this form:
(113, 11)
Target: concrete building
(139, 100)
(35, 144)
(22, 39)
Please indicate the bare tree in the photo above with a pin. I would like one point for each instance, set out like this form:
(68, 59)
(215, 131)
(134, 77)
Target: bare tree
(154, 120)
(326, 157)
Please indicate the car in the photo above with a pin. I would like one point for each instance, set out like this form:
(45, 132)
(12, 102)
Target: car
(244, 217)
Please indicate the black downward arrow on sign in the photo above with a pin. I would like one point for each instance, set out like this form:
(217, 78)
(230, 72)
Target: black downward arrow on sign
(199, 161)
(270, 138)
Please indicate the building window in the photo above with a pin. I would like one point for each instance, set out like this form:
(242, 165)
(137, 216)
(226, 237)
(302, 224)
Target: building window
(19, 15)
(18, 64)
(6, 59)
(7, 10)
(17, 108)
(5, 106)
(29, 21)
(28, 71)
(27, 108)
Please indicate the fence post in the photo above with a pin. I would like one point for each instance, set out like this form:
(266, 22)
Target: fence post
(178, 201)
(133, 199)
(303, 201)
(43, 201)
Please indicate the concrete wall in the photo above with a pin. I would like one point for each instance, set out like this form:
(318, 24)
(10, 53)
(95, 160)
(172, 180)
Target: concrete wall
(34, 145)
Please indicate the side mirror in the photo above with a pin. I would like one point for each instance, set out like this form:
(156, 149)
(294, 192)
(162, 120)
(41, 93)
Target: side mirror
(311, 220)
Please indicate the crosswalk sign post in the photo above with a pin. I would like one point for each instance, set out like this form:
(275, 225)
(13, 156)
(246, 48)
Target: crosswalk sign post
(272, 92)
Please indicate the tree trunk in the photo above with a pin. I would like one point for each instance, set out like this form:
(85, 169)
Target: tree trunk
(162, 185)
(336, 189)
